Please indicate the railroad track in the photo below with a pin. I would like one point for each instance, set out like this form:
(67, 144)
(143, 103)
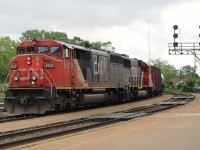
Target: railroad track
(10, 118)
(15, 117)
(1, 105)
(17, 137)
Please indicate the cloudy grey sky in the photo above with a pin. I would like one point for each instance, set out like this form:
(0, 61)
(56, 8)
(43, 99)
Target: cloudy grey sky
(123, 22)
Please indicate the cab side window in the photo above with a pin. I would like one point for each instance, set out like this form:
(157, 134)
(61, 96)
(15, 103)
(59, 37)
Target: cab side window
(56, 50)
(66, 53)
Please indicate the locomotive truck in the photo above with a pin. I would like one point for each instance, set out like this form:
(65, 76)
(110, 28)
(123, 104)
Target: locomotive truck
(47, 75)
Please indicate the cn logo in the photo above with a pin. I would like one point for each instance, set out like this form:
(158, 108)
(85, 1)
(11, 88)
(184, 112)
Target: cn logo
(25, 74)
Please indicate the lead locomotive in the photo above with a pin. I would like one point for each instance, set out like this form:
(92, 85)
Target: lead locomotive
(48, 75)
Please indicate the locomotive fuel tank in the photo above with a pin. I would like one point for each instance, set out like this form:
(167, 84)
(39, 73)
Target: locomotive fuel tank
(142, 93)
(88, 99)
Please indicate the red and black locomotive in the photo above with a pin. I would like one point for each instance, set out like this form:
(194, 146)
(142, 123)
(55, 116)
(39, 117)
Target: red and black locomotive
(48, 75)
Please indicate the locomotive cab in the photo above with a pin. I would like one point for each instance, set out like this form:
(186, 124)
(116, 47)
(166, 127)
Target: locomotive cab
(34, 64)
(32, 77)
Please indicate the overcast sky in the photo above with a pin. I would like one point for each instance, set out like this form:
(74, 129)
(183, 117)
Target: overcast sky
(122, 22)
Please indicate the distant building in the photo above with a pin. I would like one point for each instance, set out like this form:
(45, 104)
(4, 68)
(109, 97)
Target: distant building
(197, 87)
(177, 81)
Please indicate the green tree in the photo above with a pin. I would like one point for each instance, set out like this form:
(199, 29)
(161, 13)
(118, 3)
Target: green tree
(55, 35)
(189, 71)
(32, 34)
(169, 71)
(188, 74)
(95, 45)
(188, 85)
(41, 34)
(108, 46)
(61, 36)
(7, 52)
(77, 41)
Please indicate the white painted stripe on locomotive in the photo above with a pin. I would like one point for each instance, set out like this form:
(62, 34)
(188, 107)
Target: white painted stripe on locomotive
(80, 74)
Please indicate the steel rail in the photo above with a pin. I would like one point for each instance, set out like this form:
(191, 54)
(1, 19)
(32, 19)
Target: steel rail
(9, 138)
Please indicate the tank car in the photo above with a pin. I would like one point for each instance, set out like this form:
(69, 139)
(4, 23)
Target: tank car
(48, 75)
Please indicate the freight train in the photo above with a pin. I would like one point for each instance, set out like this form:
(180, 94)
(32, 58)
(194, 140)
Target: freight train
(47, 75)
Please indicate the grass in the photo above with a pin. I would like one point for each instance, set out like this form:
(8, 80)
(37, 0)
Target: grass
(1, 94)
(177, 90)
(2, 114)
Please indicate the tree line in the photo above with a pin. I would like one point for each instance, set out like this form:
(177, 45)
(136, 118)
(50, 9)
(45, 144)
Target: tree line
(8, 46)
(61, 36)
(185, 76)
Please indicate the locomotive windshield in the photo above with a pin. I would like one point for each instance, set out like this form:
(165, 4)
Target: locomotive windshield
(20, 50)
(54, 50)
(28, 50)
(42, 49)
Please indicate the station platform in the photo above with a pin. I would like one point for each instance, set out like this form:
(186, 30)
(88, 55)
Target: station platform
(177, 129)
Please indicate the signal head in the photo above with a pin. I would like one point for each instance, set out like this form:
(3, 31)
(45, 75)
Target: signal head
(175, 44)
(175, 27)
(175, 35)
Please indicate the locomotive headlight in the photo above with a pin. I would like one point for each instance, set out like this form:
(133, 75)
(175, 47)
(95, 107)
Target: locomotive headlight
(28, 63)
(16, 78)
(34, 78)
(33, 82)
(28, 58)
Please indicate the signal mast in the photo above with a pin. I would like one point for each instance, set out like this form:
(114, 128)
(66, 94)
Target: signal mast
(178, 48)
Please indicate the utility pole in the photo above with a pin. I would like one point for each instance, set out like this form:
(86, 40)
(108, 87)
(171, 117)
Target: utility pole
(149, 41)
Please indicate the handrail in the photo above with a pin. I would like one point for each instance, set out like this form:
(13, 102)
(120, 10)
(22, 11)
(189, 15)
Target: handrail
(127, 82)
(9, 80)
(49, 80)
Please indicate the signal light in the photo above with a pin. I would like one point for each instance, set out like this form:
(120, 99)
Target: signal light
(175, 27)
(199, 34)
(175, 35)
(175, 44)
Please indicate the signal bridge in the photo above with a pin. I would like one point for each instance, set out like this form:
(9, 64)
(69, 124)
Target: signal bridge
(183, 48)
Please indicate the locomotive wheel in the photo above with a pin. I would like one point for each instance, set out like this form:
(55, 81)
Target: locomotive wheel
(68, 106)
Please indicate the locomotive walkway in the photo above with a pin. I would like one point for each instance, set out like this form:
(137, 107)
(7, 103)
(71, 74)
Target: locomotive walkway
(174, 129)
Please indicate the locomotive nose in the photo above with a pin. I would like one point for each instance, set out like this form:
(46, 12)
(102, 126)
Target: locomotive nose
(28, 71)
